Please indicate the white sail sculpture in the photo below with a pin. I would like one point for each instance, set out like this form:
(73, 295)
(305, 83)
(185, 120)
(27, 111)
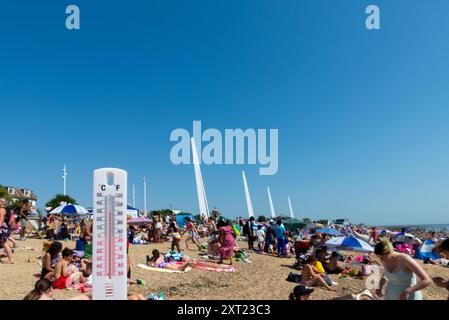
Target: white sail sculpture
(248, 198)
(273, 213)
(202, 199)
(292, 215)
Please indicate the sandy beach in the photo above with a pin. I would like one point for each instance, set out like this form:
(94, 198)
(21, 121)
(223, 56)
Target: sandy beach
(264, 278)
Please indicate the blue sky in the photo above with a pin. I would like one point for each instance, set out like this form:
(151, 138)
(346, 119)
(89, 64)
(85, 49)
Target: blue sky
(362, 115)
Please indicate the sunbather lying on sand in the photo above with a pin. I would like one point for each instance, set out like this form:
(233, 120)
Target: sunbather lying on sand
(157, 261)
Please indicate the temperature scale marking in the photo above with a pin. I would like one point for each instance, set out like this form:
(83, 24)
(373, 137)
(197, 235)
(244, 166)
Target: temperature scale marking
(109, 235)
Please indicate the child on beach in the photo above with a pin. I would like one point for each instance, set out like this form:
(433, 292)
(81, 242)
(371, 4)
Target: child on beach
(50, 259)
(260, 238)
(176, 236)
(192, 234)
(66, 274)
(366, 270)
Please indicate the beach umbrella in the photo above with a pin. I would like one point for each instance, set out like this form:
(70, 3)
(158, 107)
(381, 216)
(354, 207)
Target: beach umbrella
(70, 210)
(349, 244)
(138, 221)
(329, 231)
(403, 234)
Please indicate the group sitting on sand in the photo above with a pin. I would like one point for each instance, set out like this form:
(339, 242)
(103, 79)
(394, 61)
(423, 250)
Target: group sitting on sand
(403, 278)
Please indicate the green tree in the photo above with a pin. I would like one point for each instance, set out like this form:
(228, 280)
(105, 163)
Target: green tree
(162, 212)
(4, 194)
(56, 201)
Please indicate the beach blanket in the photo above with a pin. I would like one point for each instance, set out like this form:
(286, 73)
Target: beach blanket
(145, 267)
(212, 269)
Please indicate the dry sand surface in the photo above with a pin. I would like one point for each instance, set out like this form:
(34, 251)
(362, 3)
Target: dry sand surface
(264, 278)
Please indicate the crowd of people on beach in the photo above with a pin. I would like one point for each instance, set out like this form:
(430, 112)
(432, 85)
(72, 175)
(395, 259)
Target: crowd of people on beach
(217, 240)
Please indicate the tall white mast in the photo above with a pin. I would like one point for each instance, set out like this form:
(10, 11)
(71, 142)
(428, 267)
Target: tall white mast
(145, 195)
(273, 213)
(248, 198)
(64, 176)
(134, 195)
(291, 209)
(202, 199)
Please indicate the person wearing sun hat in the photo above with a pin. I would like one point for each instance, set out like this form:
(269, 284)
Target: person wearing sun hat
(301, 293)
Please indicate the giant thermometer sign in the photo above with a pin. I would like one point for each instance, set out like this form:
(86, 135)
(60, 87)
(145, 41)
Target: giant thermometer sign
(109, 235)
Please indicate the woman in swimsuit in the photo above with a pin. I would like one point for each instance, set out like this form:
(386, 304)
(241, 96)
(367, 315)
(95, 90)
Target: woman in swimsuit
(310, 276)
(192, 234)
(402, 272)
(65, 277)
(50, 259)
(157, 261)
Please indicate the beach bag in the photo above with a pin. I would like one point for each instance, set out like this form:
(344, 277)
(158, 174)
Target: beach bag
(87, 250)
(294, 277)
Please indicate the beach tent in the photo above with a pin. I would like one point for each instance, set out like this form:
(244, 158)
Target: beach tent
(293, 223)
(180, 218)
(425, 251)
(349, 244)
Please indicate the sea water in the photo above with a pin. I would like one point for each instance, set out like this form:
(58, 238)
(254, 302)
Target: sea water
(426, 227)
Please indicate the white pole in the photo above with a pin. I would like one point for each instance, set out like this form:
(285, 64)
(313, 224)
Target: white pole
(290, 206)
(248, 198)
(134, 195)
(202, 199)
(145, 195)
(64, 176)
(273, 213)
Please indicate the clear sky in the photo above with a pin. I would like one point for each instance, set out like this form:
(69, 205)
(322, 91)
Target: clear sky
(363, 116)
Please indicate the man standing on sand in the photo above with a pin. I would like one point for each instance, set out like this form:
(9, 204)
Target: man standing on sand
(249, 230)
(281, 238)
(23, 215)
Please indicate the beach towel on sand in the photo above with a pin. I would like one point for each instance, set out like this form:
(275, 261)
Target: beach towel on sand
(212, 269)
(145, 267)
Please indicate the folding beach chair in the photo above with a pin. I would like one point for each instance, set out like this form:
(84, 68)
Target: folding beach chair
(33, 226)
